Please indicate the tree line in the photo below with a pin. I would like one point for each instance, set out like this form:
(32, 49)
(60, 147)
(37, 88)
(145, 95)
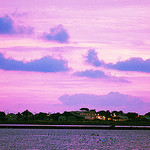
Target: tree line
(29, 116)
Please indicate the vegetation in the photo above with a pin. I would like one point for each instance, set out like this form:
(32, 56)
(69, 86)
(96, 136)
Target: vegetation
(77, 117)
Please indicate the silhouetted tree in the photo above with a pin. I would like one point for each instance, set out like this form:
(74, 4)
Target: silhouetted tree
(19, 116)
(41, 116)
(11, 117)
(66, 113)
(84, 109)
(102, 113)
(2, 116)
(55, 116)
(27, 115)
(147, 114)
(131, 115)
(121, 112)
(107, 114)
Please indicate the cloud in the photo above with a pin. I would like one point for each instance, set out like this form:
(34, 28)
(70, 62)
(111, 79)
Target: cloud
(132, 64)
(91, 74)
(97, 74)
(110, 100)
(58, 34)
(7, 27)
(92, 58)
(45, 64)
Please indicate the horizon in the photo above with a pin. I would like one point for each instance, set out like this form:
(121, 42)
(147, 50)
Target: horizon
(63, 55)
(96, 111)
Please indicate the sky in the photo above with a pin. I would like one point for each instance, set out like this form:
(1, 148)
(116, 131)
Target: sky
(62, 55)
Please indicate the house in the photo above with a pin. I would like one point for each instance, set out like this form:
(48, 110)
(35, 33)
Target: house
(103, 115)
(88, 115)
(98, 116)
(119, 117)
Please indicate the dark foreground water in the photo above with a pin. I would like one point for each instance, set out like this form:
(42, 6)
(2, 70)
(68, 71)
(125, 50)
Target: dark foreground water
(65, 139)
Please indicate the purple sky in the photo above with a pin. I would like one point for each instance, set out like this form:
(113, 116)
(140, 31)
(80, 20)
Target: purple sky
(58, 55)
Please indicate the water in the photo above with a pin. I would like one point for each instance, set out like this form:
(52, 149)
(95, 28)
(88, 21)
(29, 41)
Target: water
(27, 125)
(66, 139)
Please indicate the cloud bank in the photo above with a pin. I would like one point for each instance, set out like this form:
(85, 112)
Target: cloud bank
(92, 58)
(132, 64)
(7, 27)
(45, 64)
(110, 100)
(57, 34)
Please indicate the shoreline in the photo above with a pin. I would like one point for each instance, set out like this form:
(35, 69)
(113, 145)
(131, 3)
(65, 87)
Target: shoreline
(96, 127)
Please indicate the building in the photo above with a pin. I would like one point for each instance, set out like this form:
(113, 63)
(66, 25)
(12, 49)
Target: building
(100, 117)
(88, 115)
(119, 117)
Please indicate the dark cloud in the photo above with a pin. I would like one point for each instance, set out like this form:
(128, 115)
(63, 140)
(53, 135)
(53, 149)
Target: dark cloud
(111, 100)
(92, 58)
(91, 74)
(132, 64)
(45, 64)
(58, 34)
(97, 74)
(7, 27)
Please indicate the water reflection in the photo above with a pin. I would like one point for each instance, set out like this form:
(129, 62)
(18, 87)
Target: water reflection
(73, 139)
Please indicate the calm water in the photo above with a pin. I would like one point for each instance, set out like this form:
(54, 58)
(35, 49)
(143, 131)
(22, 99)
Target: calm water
(45, 139)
